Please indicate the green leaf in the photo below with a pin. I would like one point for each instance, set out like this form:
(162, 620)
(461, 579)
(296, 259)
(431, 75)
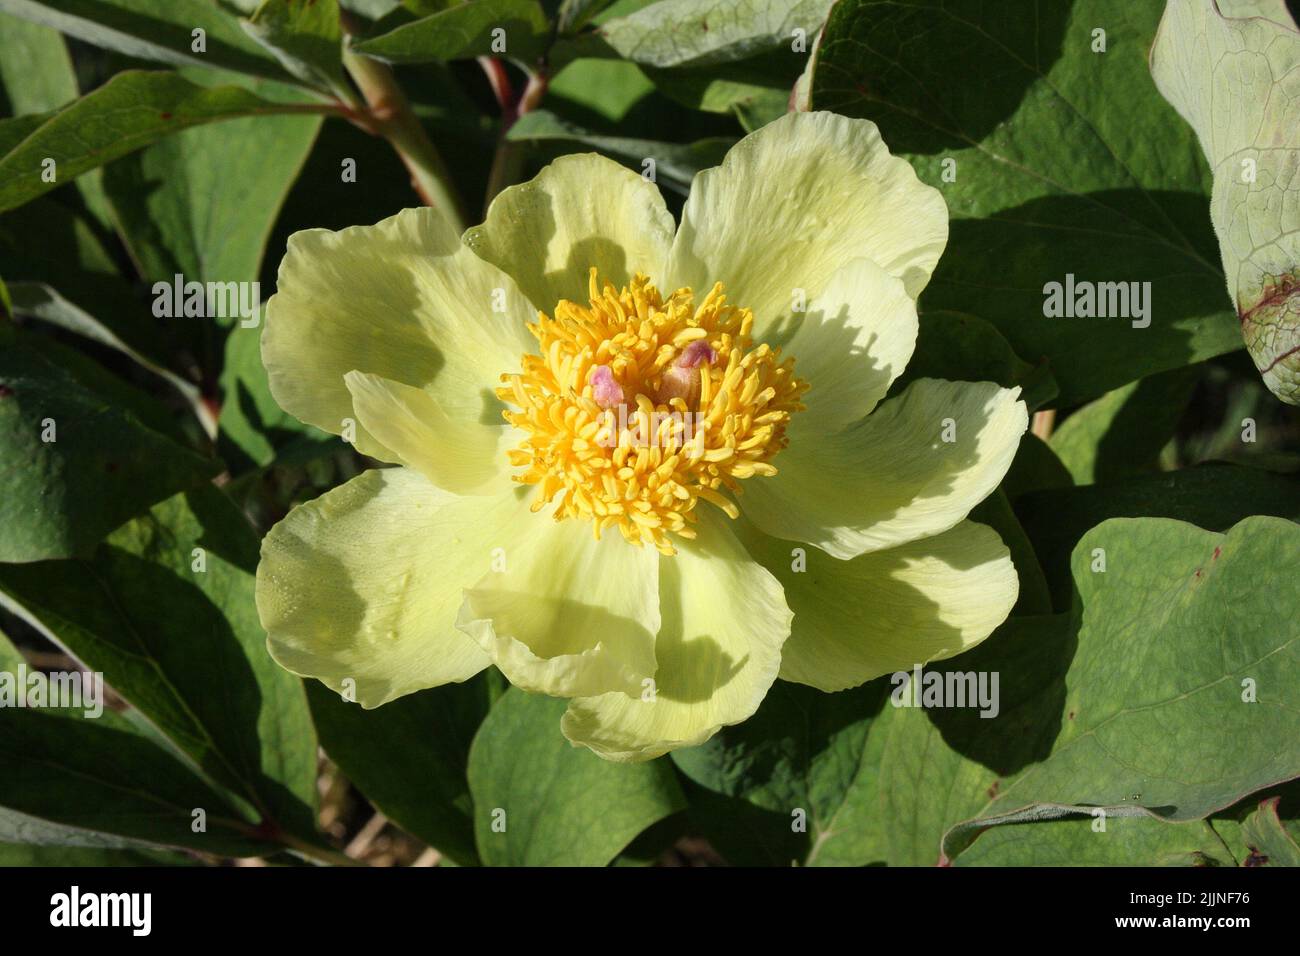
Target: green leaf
(995, 511)
(574, 14)
(1043, 173)
(609, 89)
(539, 801)
(1267, 839)
(1230, 76)
(154, 31)
(74, 780)
(410, 758)
(965, 348)
(686, 33)
(756, 91)
(464, 31)
(254, 429)
(35, 70)
(1175, 701)
(77, 463)
(795, 782)
(201, 204)
(36, 77)
(164, 608)
(305, 36)
(676, 164)
(131, 110)
(1035, 468)
(944, 765)
(1214, 497)
(1125, 841)
(27, 855)
(40, 301)
(92, 783)
(1122, 433)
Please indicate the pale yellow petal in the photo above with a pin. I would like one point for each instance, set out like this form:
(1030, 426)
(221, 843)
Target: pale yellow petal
(796, 200)
(360, 587)
(892, 610)
(849, 344)
(580, 211)
(719, 649)
(914, 467)
(390, 300)
(564, 614)
(460, 456)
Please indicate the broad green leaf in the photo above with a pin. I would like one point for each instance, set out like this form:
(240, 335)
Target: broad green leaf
(305, 36)
(1176, 700)
(409, 758)
(517, 29)
(686, 33)
(117, 393)
(796, 783)
(202, 203)
(36, 77)
(48, 241)
(27, 855)
(756, 90)
(1125, 841)
(940, 766)
(1267, 839)
(154, 30)
(84, 783)
(965, 348)
(1135, 654)
(574, 14)
(1229, 824)
(1035, 468)
(254, 429)
(539, 801)
(1231, 75)
(69, 783)
(16, 129)
(608, 88)
(1033, 139)
(131, 110)
(996, 512)
(1122, 433)
(77, 464)
(35, 70)
(164, 608)
(1214, 497)
(40, 301)
(674, 163)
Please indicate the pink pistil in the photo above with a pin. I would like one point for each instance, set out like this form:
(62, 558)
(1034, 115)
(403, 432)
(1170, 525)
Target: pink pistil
(604, 389)
(682, 380)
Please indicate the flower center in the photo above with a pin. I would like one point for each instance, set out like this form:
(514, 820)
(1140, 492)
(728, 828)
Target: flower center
(637, 406)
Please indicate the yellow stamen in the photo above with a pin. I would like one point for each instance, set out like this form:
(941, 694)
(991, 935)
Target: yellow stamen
(691, 420)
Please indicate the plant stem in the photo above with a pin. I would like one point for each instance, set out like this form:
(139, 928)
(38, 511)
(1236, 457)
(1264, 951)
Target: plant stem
(509, 156)
(389, 115)
(1043, 423)
(318, 854)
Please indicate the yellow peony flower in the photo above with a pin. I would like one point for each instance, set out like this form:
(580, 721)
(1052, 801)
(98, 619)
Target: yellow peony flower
(646, 468)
